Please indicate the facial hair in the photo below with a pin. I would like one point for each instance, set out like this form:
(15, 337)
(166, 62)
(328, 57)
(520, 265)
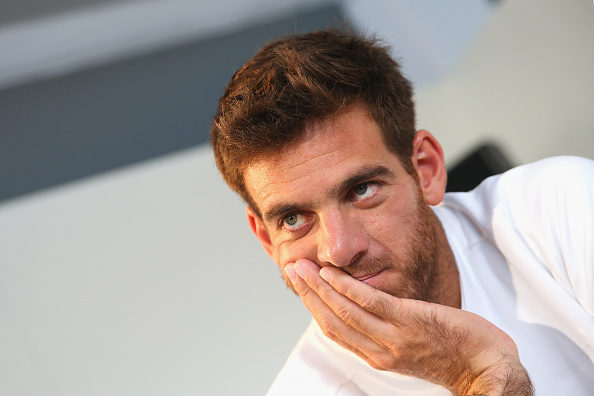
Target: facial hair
(419, 274)
(417, 271)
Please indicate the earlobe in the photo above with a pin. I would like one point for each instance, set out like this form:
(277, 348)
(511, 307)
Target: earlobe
(259, 230)
(429, 163)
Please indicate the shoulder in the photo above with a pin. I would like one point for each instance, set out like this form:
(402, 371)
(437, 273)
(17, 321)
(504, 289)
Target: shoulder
(555, 193)
(541, 218)
(553, 174)
(531, 190)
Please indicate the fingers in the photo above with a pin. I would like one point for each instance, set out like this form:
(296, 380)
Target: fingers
(335, 309)
(314, 291)
(380, 316)
(370, 299)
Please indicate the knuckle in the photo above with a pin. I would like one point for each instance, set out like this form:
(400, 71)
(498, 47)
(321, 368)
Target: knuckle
(368, 302)
(345, 289)
(324, 293)
(327, 326)
(304, 293)
(344, 314)
(381, 305)
(382, 360)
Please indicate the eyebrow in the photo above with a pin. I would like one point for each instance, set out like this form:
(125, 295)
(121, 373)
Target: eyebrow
(360, 177)
(281, 209)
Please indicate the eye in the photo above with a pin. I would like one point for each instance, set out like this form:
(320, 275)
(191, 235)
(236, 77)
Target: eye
(364, 190)
(294, 221)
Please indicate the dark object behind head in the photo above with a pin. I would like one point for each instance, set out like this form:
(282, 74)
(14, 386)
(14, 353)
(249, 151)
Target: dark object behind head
(486, 160)
(293, 82)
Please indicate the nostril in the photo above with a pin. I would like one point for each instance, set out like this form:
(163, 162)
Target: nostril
(356, 258)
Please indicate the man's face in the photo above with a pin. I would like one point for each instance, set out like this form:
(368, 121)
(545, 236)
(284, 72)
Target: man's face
(340, 198)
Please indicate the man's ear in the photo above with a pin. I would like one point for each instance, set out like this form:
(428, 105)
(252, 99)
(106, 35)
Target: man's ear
(258, 228)
(428, 161)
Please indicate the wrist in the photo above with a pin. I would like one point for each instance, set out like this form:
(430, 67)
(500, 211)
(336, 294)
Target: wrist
(506, 378)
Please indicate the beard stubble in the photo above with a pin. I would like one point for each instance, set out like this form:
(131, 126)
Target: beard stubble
(418, 270)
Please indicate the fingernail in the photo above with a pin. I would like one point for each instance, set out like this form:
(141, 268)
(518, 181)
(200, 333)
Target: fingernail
(325, 275)
(301, 271)
(290, 271)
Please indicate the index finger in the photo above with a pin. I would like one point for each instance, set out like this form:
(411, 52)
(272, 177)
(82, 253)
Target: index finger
(368, 298)
(346, 309)
(324, 302)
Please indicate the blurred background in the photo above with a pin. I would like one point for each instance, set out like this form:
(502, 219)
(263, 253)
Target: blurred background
(126, 265)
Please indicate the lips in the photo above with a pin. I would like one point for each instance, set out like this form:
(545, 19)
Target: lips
(363, 278)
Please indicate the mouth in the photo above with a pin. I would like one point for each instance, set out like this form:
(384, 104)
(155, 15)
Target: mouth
(368, 277)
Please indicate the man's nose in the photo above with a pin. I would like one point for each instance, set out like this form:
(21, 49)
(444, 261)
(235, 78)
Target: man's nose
(341, 239)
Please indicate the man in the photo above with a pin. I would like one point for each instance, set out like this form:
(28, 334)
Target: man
(412, 293)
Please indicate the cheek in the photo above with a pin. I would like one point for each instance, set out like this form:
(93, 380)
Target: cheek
(378, 222)
(290, 251)
(386, 231)
(390, 226)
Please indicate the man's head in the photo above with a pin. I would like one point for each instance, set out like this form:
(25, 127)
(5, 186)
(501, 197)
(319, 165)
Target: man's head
(317, 134)
(292, 83)
(339, 198)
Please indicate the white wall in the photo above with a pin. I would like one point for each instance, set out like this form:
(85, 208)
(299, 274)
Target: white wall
(77, 38)
(526, 82)
(519, 72)
(147, 280)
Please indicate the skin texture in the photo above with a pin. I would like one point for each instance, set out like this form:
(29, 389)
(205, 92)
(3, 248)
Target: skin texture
(354, 237)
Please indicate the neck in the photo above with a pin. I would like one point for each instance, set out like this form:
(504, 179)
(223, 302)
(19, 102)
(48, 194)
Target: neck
(447, 282)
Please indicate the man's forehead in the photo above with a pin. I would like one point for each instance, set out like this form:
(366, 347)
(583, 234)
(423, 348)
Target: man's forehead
(322, 139)
(288, 170)
(267, 179)
(327, 153)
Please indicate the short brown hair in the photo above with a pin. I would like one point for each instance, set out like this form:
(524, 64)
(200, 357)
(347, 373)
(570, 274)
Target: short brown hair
(293, 82)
